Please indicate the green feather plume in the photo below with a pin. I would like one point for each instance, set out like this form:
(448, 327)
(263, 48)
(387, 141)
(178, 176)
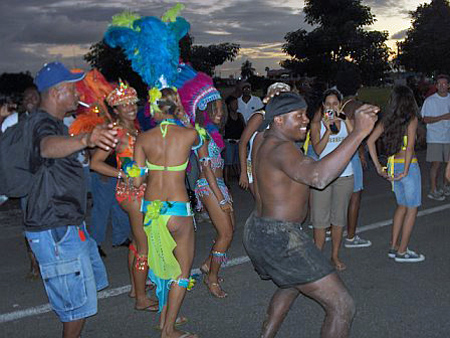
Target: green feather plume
(125, 19)
(171, 14)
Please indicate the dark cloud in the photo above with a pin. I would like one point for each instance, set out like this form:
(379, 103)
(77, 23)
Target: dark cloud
(389, 8)
(46, 24)
(31, 29)
(60, 30)
(248, 23)
(399, 35)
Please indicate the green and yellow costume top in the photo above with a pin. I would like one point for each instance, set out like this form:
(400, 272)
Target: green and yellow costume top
(164, 268)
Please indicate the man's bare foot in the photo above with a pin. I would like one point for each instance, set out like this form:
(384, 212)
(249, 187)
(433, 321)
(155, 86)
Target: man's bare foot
(146, 305)
(338, 264)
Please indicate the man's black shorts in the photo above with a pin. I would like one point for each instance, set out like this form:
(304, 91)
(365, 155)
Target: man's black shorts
(282, 252)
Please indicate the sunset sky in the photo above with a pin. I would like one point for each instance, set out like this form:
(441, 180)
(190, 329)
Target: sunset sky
(36, 31)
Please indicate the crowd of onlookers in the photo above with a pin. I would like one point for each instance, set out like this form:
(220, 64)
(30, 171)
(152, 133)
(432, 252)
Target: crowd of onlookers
(331, 111)
(241, 104)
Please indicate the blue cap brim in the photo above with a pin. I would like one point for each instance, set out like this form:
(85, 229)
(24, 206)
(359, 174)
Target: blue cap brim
(75, 77)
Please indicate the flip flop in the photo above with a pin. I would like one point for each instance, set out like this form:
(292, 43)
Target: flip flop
(150, 308)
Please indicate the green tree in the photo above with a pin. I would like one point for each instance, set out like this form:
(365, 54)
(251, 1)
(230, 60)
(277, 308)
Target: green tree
(338, 38)
(247, 70)
(14, 84)
(207, 58)
(426, 47)
(113, 64)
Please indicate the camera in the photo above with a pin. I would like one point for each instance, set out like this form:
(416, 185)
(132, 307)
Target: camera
(329, 114)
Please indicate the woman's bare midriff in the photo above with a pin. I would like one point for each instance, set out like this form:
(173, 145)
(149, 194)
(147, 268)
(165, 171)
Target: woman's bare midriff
(218, 173)
(166, 186)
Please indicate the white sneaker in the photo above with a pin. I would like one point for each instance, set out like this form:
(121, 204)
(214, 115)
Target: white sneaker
(409, 257)
(436, 195)
(357, 242)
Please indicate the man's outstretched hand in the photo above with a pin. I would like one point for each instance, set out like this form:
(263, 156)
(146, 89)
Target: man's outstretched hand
(365, 119)
(103, 136)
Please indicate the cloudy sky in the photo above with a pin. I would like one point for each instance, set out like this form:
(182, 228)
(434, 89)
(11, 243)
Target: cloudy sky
(36, 31)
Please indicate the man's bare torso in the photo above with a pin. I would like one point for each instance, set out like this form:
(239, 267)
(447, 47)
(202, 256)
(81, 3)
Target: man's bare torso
(277, 195)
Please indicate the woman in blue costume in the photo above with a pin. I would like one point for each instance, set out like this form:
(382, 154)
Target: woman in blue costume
(203, 105)
(164, 152)
(213, 194)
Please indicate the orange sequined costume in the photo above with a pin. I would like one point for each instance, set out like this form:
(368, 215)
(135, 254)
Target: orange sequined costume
(124, 191)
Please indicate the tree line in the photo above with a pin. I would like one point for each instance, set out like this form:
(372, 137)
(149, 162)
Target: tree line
(339, 41)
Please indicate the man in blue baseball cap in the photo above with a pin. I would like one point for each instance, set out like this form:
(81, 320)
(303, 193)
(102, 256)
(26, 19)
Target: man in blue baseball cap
(70, 265)
(54, 73)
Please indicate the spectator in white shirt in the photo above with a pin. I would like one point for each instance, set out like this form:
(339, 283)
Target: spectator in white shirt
(247, 103)
(30, 101)
(436, 115)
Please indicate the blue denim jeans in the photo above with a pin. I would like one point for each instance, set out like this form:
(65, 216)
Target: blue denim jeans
(231, 153)
(408, 190)
(105, 205)
(357, 173)
(311, 153)
(71, 269)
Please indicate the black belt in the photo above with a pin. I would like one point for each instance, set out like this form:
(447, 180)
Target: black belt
(232, 141)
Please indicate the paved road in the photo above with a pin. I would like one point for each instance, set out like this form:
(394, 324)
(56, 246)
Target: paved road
(393, 300)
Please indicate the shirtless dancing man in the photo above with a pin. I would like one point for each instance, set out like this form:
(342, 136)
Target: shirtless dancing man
(273, 239)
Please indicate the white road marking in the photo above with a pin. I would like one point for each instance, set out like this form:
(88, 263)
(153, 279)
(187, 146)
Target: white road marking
(41, 309)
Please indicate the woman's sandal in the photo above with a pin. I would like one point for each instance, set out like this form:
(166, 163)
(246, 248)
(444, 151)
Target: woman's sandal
(151, 308)
(205, 271)
(219, 293)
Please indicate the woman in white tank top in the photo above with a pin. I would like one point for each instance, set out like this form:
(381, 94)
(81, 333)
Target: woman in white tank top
(329, 206)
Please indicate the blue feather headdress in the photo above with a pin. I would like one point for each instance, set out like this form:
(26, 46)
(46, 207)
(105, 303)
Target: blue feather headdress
(151, 44)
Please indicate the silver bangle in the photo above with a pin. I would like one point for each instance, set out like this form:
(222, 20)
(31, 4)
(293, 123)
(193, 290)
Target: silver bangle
(223, 202)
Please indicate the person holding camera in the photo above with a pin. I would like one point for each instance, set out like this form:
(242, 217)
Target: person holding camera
(329, 206)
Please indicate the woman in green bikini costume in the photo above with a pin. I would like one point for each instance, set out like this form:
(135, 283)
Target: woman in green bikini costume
(168, 218)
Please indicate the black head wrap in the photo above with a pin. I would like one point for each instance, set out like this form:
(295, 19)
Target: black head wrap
(281, 104)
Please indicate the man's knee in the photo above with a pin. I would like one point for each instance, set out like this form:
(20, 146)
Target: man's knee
(346, 306)
(435, 165)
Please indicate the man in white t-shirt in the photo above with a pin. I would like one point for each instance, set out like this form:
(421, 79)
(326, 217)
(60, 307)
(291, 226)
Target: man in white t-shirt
(30, 101)
(436, 115)
(247, 103)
